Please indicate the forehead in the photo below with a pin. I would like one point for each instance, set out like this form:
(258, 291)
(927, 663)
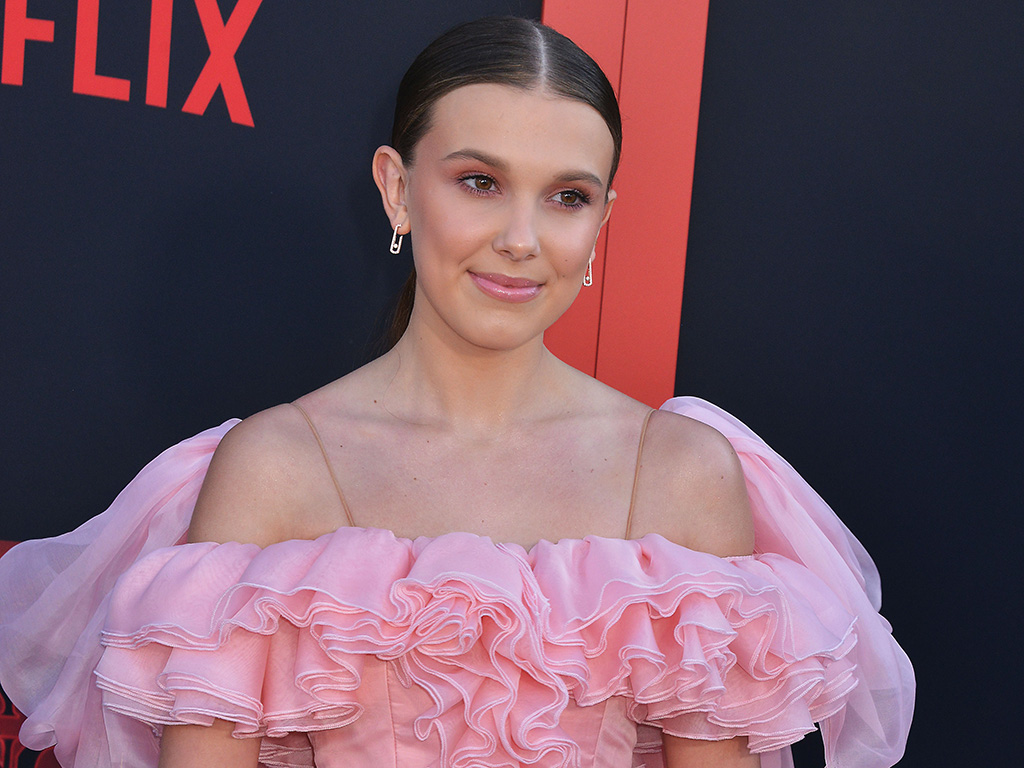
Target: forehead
(525, 128)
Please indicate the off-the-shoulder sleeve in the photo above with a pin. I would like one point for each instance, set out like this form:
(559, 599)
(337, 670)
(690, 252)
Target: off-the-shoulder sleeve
(792, 521)
(702, 648)
(55, 592)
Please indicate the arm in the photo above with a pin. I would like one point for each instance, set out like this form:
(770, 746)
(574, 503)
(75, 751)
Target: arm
(257, 482)
(264, 480)
(200, 746)
(690, 753)
(692, 489)
(697, 497)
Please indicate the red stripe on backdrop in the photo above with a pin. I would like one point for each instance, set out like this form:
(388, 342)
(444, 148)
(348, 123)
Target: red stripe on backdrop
(600, 31)
(625, 328)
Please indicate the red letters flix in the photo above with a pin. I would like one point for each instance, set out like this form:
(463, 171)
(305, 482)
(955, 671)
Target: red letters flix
(221, 71)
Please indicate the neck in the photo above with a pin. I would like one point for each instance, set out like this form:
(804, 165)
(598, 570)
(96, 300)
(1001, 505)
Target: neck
(452, 383)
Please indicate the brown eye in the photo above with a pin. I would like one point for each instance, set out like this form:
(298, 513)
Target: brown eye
(569, 198)
(479, 183)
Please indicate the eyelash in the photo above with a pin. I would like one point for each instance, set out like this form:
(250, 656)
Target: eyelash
(582, 198)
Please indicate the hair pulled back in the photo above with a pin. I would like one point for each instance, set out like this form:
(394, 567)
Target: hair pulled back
(512, 51)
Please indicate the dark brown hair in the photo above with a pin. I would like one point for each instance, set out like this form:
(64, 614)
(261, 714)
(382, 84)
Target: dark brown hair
(522, 53)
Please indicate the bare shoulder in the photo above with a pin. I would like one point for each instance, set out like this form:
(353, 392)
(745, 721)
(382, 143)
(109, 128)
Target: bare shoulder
(691, 488)
(264, 477)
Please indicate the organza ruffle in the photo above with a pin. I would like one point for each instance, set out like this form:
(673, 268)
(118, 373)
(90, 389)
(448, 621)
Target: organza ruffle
(793, 522)
(700, 646)
(53, 598)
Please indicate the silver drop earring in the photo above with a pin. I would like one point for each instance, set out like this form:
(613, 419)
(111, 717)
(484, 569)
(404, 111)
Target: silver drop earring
(588, 279)
(396, 240)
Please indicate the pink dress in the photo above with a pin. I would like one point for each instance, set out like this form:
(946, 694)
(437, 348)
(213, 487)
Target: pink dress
(364, 650)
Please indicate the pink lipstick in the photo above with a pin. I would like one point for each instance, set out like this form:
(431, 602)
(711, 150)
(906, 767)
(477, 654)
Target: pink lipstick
(505, 288)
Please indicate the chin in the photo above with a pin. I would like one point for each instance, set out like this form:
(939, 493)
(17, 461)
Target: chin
(501, 339)
(492, 326)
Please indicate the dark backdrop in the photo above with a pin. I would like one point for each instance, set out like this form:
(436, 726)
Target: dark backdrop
(853, 291)
(852, 282)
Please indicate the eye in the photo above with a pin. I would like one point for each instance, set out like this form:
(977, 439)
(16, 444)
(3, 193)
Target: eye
(572, 198)
(479, 182)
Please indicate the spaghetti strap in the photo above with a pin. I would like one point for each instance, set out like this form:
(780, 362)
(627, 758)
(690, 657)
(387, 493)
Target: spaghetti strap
(327, 461)
(636, 473)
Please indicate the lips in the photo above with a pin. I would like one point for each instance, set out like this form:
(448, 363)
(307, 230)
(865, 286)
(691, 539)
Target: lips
(505, 287)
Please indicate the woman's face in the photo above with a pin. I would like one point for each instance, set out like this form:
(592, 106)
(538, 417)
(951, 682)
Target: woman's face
(504, 202)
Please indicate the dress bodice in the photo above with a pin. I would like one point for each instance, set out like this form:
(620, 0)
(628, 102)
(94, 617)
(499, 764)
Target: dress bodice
(385, 734)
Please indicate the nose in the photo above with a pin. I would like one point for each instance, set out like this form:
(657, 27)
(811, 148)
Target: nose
(517, 238)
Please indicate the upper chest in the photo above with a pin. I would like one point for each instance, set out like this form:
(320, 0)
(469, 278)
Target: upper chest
(550, 481)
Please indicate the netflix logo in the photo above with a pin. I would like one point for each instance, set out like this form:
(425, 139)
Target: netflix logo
(223, 36)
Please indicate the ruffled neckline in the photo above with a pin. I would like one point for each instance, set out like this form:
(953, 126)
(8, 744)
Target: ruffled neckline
(501, 637)
(526, 553)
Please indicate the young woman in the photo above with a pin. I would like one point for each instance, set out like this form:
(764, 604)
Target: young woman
(465, 553)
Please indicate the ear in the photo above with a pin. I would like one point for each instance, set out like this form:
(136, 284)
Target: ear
(609, 199)
(604, 219)
(390, 176)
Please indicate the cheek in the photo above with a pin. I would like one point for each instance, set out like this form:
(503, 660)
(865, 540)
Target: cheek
(443, 226)
(569, 246)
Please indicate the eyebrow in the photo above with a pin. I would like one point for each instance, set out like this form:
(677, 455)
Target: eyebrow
(501, 165)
